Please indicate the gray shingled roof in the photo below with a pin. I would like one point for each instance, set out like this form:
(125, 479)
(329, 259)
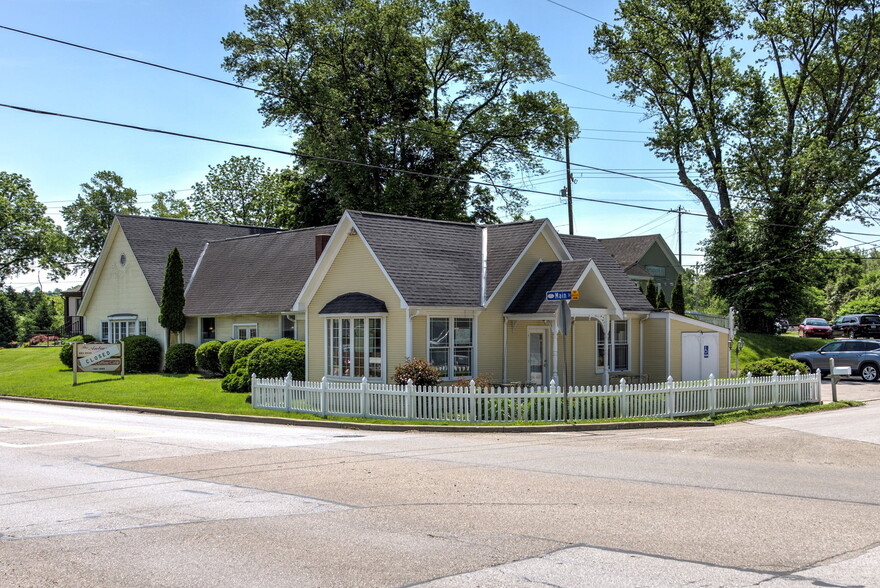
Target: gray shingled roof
(253, 275)
(625, 291)
(505, 244)
(432, 263)
(548, 275)
(629, 250)
(153, 238)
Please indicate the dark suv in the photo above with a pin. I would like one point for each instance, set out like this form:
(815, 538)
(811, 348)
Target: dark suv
(856, 325)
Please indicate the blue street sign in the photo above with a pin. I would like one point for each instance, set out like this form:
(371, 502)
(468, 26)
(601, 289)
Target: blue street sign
(559, 295)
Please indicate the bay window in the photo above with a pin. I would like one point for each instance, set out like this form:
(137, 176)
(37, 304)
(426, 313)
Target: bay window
(354, 347)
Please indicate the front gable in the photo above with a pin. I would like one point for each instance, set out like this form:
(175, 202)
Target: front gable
(348, 263)
(116, 280)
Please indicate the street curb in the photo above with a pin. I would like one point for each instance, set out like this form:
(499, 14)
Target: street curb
(372, 426)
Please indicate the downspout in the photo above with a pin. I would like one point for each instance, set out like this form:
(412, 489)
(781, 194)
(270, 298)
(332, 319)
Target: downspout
(409, 335)
(642, 344)
(504, 353)
(668, 344)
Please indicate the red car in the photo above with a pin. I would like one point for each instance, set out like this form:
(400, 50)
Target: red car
(814, 327)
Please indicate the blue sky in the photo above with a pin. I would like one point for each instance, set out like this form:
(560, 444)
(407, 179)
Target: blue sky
(58, 155)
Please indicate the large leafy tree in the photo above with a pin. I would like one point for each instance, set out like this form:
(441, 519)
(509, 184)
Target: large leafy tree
(28, 237)
(241, 190)
(425, 86)
(173, 300)
(88, 218)
(769, 110)
(168, 205)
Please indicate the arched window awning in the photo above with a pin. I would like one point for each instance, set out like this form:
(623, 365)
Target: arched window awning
(354, 303)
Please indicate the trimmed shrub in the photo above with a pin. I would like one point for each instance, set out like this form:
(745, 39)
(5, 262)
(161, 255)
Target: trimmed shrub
(226, 355)
(781, 365)
(275, 359)
(419, 371)
(180, 358)
(208, 357)
(246, 347)
(143, 354)
(238, 379)
(66, 353)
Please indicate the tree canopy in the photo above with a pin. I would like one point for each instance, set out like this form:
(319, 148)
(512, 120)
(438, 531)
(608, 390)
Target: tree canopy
(425, 86)
(28, 237)
(168, 205)
(241, 190)
(88, 218)
(769, 111)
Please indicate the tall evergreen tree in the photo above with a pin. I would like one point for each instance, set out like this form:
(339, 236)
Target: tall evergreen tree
(678, 296)
(651, 293)
(8, 327)
(661, 300)
(171, 308)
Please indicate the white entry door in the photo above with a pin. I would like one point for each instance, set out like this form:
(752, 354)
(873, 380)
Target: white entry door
(537, 361)
(699, 356)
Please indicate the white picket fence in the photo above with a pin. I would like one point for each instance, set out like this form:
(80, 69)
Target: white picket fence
(533, 404)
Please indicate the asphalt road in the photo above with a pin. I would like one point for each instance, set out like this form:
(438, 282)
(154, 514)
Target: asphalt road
(91, 497)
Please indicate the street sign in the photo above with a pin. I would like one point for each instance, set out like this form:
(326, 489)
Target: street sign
(563, 295)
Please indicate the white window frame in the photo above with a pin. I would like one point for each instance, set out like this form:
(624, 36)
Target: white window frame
(450, 359)
(112, 329)
(600, 349)
(249, 326)
(329, 354)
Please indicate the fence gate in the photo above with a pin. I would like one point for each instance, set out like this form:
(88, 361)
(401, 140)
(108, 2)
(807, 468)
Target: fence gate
(699, 355)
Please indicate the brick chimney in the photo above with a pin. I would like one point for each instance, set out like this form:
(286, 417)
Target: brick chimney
(320, 244)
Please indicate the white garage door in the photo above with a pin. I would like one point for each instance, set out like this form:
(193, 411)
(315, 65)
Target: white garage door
(699, 355)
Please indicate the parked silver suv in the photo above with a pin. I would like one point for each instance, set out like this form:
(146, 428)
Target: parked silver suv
(862, 356)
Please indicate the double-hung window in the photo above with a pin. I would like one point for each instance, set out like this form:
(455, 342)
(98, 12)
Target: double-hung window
(354, 347)
(618, 355)
(451, 346)
(209, 332)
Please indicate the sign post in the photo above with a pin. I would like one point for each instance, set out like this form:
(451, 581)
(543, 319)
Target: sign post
(563, 322)
(98, 357)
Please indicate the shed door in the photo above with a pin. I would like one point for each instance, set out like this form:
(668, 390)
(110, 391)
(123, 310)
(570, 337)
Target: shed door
(699, 355)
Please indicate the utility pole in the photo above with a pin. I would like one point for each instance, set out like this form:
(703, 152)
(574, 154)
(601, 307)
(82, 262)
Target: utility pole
(568, 188)
(679, 235)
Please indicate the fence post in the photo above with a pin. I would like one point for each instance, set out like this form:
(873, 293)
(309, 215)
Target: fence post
(552, 401)
(473, 400)
(774, 387)
(364, 387)
(750, 391)
(288, 385)
(324, 396)
(670, 398)
(624, 399)
(713, 395)
(408, 399)
(254, 395)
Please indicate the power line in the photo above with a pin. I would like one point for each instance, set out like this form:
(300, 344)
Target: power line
(385, 168)
(576, 11)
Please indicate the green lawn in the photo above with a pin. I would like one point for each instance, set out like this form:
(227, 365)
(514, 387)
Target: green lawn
(763, 346)
(36, 372)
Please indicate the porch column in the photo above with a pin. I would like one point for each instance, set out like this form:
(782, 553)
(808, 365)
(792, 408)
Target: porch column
(554, 328)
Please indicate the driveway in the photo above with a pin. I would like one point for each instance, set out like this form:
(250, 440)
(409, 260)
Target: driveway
(852, 389)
